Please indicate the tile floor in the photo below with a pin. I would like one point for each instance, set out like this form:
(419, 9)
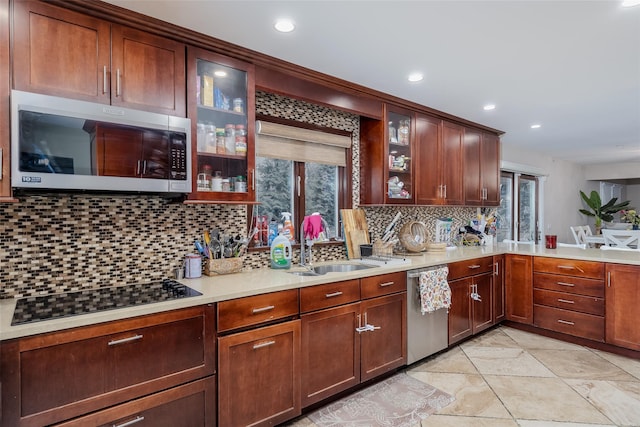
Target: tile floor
(509, 378)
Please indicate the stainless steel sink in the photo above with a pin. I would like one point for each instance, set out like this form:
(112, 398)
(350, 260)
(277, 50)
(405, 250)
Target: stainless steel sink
(340, 268)
(331, 268)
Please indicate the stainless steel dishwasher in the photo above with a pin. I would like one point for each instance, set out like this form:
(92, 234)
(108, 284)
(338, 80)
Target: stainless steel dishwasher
(426, 333)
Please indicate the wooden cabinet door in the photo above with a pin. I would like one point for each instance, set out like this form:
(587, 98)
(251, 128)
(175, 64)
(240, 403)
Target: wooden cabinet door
(482, 310)
(259, 376)
(452, 163)
(622, 299)
(473, 191)
(5, 179)
(499, 312)
(148, 72)
(384, 348)
(60, 52)
(330, 352)
(427, 165)
(460, 325)
(189, 405)
(490, 156)
(519, 288)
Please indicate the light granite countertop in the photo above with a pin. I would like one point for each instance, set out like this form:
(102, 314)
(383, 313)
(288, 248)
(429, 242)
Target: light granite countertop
(259, 281)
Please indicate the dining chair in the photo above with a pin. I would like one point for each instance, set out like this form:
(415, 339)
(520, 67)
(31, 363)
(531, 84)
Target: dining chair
(580, 232)
(621, 239)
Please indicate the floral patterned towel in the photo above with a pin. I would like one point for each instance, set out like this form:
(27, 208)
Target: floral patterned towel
(434, 290)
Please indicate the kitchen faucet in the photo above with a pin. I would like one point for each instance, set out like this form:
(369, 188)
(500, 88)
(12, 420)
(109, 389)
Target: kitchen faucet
(303, 243)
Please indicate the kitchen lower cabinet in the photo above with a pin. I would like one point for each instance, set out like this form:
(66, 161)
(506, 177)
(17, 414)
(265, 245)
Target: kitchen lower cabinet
(499, 308)
(519, 288)
(259, 376)
(54, 377)
(622, 297)
(383, 348)
(471, 308)
(189, 405)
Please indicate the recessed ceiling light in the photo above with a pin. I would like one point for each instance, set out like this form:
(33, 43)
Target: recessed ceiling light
(415, 77)
(284, 25)
(489, 107)
(630, 3)
(536, 126)
(220, 73)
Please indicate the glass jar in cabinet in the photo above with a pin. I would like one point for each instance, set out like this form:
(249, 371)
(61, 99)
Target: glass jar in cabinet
(221, 106)
(399, 176)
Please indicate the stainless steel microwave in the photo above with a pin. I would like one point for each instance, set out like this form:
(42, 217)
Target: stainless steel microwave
(65, 144)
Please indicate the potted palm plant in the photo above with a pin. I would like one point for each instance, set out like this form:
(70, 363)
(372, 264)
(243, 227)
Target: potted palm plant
(599, 211)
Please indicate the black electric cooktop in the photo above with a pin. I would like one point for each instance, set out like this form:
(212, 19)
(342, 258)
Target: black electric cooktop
(46, 307)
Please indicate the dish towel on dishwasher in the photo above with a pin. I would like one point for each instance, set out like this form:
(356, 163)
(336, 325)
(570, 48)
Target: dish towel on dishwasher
(434, 290)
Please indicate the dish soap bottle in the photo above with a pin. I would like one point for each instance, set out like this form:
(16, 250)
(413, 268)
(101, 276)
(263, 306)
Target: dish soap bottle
(287, 227)
(281, 252)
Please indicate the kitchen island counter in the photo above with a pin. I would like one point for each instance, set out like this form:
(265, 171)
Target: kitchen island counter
(265, 280)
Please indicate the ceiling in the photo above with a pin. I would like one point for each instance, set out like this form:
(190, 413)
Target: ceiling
(571, 66)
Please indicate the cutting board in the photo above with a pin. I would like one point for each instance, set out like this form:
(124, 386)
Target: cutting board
(356, 231)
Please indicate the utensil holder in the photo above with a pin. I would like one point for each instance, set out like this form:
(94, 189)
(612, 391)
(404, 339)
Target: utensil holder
(223, 266)
(381, 248)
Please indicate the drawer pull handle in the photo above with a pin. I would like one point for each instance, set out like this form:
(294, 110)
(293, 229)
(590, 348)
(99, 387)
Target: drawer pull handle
(263, 309)
(571, 285)
(566, 322)
(570, 267)
(385, 284)
(566, 301)
(130, 423)
(125, 340)
(474, 266)
(333, 294)
(263, 344)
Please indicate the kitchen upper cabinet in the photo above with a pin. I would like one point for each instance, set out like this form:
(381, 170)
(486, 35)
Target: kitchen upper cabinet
(439, 152)
(622, 299)
(481, 168)
(54, 377)
(259, 376)
(387, 164)
(64, 53)
(5, 181)
(519, 288)
(221, 106)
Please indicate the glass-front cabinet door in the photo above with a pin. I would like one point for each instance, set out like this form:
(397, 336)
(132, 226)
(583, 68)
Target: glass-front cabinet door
(221, 106)
(399, 167)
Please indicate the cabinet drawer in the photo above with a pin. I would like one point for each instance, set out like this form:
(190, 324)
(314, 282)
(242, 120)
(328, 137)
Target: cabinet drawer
(329, 295)
(470, 267)
(569, 322)
(567, 301)
(192, 404)
(569, 267)
(242, 312)
(574, 285)
(384, 284)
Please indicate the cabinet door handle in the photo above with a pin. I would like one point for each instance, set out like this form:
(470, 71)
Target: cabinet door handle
(608, 279)
(298, 181)
(0, 164)
(138, 168)
(385, 284)
(253, 179)
(104, 79)
(125, 340)
(571, 285)
(474, 266)
(263, 309)
(566, 301)
(570, 267)
(118, 82)
(495, 269)
(144, 167)
(565, 322)
(445, 191)
(263, 344)
(333, 294)
(136, 420)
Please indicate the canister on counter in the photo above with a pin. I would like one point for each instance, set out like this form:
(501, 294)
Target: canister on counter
(192, 266)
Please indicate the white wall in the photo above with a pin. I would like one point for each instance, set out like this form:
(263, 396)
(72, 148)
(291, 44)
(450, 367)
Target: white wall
(633, 193)
(562, 186)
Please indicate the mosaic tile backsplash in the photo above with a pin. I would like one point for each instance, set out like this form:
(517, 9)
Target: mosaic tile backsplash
(67, 242)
